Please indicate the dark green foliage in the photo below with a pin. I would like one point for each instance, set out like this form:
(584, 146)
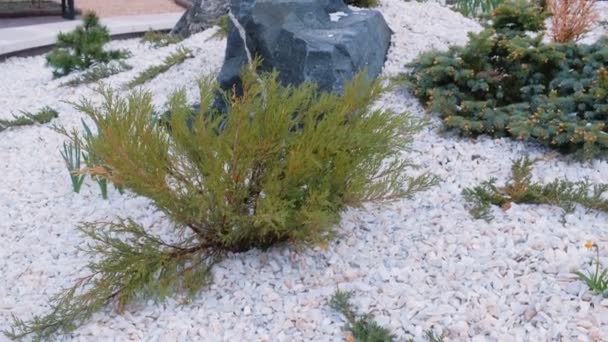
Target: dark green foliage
(517, 17)
(43, 116)
(222, 24)
(83, 47)
(98, 72)
(521, 189)
(72, 156)
(177, 57)
(160, 39)
(362, 3)
(506, 82)
(279, 167)
(431, 336)
(363, 327)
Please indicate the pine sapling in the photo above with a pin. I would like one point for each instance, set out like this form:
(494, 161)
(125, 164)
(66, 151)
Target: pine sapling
(83, 47)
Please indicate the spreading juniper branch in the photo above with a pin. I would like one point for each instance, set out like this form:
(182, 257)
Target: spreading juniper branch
(43, 116)
(160, 39)
(363, 327)
(98, 72)
(177, 57)
(132, 264)
(521, 189)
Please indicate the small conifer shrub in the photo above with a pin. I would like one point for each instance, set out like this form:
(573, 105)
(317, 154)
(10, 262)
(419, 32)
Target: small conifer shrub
(521, 189)
(507, 82)
(175, 58)
(43, 116)
(83, 47)
(278, 167)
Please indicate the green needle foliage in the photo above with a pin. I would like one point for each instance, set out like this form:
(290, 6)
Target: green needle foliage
(507, 82)
(83, 47)
(72, 156)
(132, 265)
(279, 167)
(98, 72)
(222, 24)
(521, 189)
(598, 279)
(44, 115)
(160, 39)
(363, 327)
(177, 57)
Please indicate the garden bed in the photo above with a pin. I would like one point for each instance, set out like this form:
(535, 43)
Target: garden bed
(417, 264)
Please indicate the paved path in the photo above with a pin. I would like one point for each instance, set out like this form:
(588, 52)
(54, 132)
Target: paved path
(112, 8)
(14, 39)
(15, 22)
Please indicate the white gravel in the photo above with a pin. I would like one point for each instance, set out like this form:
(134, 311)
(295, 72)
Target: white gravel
(415, 263)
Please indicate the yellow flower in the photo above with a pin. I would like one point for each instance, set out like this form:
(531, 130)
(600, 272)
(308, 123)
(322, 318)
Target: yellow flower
(589, 245)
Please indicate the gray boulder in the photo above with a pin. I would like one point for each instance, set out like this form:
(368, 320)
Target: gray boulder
(305, 40)
(201, 15)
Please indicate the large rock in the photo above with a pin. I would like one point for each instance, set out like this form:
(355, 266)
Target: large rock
(305, 40)
(201, 15)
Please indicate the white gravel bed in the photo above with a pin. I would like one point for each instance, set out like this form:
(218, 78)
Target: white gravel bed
(415, 263)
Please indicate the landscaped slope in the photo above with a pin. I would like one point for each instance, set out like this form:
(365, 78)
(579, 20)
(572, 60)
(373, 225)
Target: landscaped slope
(414, 263)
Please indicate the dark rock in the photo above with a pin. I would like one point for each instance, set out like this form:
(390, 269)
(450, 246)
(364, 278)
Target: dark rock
(306, 40)
(201, 15)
